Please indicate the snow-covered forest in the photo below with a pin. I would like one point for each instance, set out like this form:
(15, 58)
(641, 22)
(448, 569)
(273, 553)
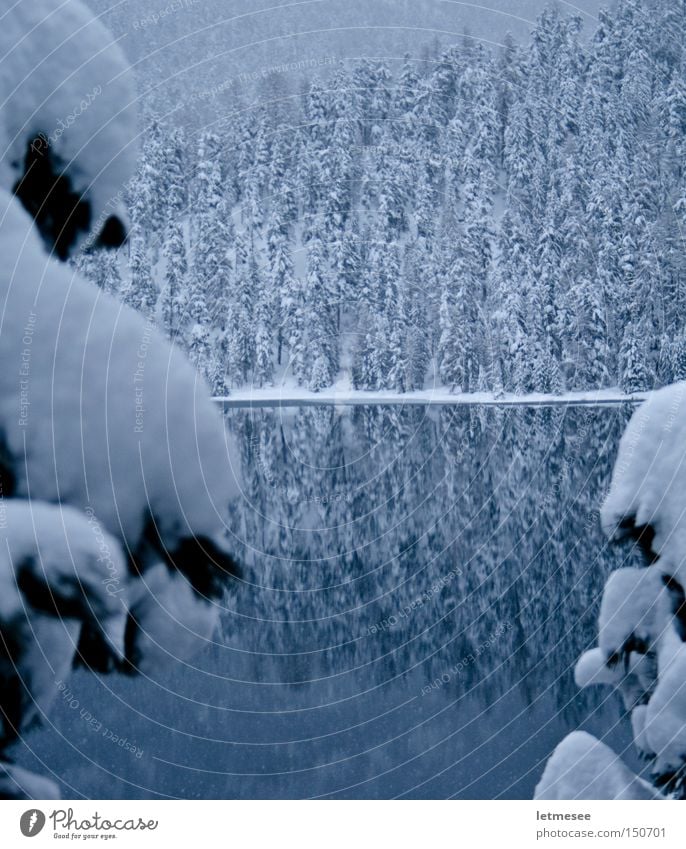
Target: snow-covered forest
(504, 220)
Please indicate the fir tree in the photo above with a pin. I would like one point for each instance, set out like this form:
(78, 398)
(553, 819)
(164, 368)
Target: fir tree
(450, 353)
(141, 292)
(173, 293)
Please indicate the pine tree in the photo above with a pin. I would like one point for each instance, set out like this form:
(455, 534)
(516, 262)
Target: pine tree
(212, 272)
(264, 362)
(173, 293)
(345, 262)
(141, 292)
(320, 376)
(450, 354)
(363, 367)
(591, 356)
(247, 288)
(635, 374)
(417, 344)
(153, 181)
(174, 290)
(109, 278)
(322, 345)
(176, 169)
(405, 102)
(398, 378)
(281, 286)
(678, 358)
(101, 267)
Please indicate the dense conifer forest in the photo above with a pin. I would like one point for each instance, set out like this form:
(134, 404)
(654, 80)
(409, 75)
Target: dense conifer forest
(502, 220)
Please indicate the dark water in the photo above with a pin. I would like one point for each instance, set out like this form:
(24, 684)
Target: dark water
(419, 583)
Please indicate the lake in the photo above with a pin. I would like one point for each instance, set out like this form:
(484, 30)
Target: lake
(419, 582)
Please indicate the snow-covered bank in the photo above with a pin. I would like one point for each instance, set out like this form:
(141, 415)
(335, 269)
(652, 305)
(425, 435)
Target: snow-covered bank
(289, 396)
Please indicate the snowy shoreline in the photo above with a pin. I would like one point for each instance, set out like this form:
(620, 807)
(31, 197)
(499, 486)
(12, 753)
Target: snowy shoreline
(289, 396)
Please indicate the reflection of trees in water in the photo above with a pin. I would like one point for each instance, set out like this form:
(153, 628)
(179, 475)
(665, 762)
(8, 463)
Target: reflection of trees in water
(356, 521)
(349, 519)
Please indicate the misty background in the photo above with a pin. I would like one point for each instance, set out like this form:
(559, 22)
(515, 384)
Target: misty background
(195, 58)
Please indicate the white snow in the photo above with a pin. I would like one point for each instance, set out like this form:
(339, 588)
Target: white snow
(633, 678)
(19, 783)
(591, 669)
(638, 726)
(56, 573)
(649, 480)
(171, 619)
(289, 393)
(636, 608)
(582, 767)
(98, 410)
(58, 549)
(665, 723)
(63, 75)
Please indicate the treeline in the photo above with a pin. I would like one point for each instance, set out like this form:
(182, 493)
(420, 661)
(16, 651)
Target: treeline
(504, 222)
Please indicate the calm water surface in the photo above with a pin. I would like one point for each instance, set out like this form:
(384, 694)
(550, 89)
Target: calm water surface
(418, 584)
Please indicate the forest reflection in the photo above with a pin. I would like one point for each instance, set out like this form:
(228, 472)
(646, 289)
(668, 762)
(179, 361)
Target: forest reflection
(418, 584)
